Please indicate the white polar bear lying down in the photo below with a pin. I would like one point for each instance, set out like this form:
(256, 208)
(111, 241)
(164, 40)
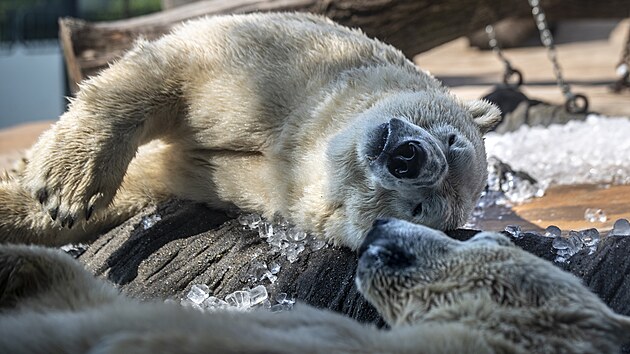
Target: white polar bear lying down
(284, 114)
(438, 295)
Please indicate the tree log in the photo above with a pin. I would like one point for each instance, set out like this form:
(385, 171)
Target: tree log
(193, 244)
(413, 26)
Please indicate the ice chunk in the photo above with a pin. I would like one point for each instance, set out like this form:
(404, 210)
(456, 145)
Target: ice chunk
(281, 297)
(295, 235)
(250, 220)
(553, 231)
(275, 268)
(256, 271)
(75, 250)
(198, 293)
(265, 229)
(188, 303)
(513, 230)
(277, 308)
(590, 238)
(283, 303)
(293, 250)
(595, 215)
(317, 244)
(266, 304)
(258, 294)
(560, 243)
(621, 228)
(150, 220)
(567, 247)
(239, 299)
(272, 278)
(214, 303)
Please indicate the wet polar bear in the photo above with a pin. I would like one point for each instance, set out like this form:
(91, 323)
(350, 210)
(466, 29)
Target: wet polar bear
(439, 295)
(284, 114)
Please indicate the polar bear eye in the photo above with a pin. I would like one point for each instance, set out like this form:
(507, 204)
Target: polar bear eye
(417, 210)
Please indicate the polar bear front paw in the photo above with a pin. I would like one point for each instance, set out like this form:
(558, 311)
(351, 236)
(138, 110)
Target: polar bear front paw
(73, 172)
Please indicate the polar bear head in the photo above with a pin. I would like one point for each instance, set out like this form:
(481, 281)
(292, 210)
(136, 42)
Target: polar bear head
(414, 274)
(417, 156)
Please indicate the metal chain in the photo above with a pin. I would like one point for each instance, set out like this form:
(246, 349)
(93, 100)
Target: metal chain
(509, 69)
(623, 68)
(574, 103)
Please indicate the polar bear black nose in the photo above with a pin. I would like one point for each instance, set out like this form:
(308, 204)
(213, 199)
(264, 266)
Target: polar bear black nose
(407, 160)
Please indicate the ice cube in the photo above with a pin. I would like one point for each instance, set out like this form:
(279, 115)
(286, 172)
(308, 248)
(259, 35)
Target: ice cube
(575, 241)
(275, 268)
(150, 220)
(553, 231)
(214, 303)
(189, 303)
(256, 271)
(74, 249)
(272, 278)
(198, 293)
(590, 237)
(281, 297)
(250, 220)
(595, 215)
(513, 230)
(258, 294)
(317, 244)
(621, 228)
(266, 304)
(560, 243)
(293, 250)
(277, 308)
(239, 299)
(295, 235)
(265, 229)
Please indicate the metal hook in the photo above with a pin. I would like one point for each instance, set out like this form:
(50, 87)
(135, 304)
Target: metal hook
(576, 104)
(510, 73)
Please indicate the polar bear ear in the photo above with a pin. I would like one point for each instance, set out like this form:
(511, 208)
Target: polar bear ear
(485, 114)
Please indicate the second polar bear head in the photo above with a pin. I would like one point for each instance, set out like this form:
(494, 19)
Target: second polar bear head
(516, 301)
(417, 156)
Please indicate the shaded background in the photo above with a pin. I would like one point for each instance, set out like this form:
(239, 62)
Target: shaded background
(32, 74)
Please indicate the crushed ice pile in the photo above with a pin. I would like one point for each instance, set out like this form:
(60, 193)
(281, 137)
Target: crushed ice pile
(505, 187)
(566, 246)
(595, 151)
(283, 238)
(524, 163)
(200, 298)
(516, 186)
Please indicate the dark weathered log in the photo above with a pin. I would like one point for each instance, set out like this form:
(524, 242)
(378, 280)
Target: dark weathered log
(192, 244)
(411, 25)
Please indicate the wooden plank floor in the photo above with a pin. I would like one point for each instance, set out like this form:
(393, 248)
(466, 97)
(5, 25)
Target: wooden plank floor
(588, 65)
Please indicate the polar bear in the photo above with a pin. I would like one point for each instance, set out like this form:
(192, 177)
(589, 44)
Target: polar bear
(285, 114)
(518, 302)
(438, 295)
